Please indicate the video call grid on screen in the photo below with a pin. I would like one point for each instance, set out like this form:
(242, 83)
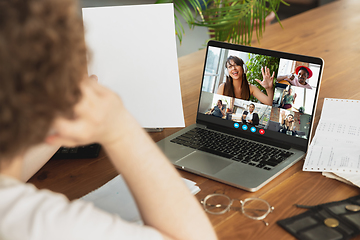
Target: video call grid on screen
(288, 114)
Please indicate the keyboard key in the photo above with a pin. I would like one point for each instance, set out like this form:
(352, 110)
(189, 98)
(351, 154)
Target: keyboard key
(73, 150)
(64, 150)
(210, 150)
(260, 165)
(88, 151)
(270, 163)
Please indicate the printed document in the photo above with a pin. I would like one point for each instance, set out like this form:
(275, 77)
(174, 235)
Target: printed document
(335, 147)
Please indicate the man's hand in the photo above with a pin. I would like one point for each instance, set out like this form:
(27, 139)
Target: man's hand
(291, 76)
(95, 119)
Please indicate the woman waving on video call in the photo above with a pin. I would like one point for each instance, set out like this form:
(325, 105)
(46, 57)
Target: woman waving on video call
(237, 85)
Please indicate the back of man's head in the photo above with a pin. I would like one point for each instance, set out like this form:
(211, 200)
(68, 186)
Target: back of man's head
(42, 61)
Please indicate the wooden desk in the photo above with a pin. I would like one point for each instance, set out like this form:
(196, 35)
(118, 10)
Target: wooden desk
(331, 32)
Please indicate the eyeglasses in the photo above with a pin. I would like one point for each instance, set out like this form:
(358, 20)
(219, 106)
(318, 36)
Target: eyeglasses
(254, 208)
(231, 66)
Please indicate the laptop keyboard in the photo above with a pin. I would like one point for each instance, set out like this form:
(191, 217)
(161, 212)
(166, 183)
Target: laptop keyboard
(87, 151)
(240, 150)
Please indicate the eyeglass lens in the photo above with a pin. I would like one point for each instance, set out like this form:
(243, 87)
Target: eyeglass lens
(255, 208)
(217, 204)
(232, 66)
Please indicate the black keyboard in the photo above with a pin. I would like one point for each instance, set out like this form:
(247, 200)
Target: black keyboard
(88, 151)
(237, 149)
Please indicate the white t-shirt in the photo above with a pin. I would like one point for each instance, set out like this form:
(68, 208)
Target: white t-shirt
(295, 82)
(249, 116)
(27, 213)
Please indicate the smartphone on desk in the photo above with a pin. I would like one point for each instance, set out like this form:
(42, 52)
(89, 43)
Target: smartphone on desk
(87, 151)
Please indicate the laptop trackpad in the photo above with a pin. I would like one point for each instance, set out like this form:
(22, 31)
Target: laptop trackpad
(204, 163)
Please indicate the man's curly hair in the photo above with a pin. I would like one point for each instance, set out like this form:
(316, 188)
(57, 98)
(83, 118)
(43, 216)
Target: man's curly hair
(42, 61)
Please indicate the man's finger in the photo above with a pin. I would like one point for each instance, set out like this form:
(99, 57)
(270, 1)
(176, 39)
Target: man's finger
(69, 128)
(94, 77)
(56, 140)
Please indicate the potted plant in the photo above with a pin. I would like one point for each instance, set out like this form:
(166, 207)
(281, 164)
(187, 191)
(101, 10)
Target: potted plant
(227, 20)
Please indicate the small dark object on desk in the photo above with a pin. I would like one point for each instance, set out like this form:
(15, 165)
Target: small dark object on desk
(339, 220)
(88, 151)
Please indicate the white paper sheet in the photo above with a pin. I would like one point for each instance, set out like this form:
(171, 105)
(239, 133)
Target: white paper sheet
(335, 147)
(342, 177)
(115, 197)
(133, 52)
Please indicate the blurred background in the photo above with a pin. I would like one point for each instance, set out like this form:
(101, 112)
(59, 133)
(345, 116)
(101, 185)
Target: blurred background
(195, 38)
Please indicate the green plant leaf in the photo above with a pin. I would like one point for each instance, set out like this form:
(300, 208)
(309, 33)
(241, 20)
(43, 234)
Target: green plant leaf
(227, 20)
(187, 9)
(235, 21)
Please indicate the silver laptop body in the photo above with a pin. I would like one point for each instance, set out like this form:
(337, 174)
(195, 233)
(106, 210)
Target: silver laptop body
(288, 141)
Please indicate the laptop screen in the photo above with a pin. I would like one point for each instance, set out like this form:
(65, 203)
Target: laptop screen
(260, 94)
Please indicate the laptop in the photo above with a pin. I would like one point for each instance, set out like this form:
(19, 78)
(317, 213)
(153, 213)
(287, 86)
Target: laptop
(242, 141)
